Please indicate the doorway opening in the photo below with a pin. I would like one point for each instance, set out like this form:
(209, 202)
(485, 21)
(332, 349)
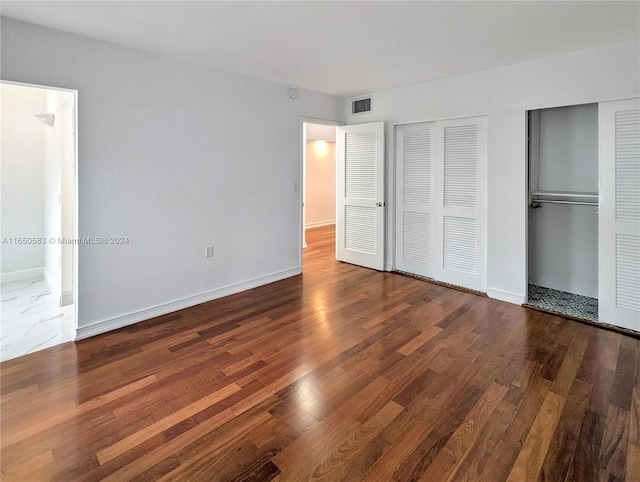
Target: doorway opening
(38, 273)
(563, 211)
(318, 188)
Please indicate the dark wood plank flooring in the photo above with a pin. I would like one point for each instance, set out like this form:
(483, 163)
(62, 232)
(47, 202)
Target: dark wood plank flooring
(342, 373)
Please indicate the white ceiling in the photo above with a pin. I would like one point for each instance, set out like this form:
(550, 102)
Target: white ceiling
(344, 48)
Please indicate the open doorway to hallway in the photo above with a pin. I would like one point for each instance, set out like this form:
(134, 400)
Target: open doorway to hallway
(319, 188)
(321, 248)
(38, 218)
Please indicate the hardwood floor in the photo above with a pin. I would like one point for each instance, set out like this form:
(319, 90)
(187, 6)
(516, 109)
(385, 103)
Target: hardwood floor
(342, 373)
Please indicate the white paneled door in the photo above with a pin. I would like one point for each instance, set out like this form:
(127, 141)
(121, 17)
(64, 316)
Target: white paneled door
(361, 203)
(414, 197)
(619, 208)
(461, 189)
(441, 201)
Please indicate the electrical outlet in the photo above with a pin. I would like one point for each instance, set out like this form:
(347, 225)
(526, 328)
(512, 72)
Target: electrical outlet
(208, 252)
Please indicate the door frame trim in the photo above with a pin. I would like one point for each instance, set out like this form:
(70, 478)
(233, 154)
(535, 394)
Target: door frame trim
(74, 93)
(302, 179)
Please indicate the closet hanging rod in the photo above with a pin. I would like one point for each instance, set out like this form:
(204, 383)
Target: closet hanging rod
(567, 194)
(551, 201)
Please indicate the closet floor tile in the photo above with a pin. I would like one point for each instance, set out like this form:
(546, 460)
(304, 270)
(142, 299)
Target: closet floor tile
(562, 302)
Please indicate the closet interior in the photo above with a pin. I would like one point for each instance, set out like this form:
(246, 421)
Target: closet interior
(563, 210)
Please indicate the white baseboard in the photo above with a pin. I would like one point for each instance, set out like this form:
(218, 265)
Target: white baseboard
(507, 296)
(135, 317)
(22, 275)
(320, 224)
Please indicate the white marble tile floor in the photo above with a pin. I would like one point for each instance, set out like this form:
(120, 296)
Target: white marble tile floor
(30, 318)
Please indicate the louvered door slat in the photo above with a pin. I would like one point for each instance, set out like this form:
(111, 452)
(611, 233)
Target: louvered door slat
(361, 165)
(460, 166)
(360, 229)
(628, 272)
(460, 245)
(627, 165)
(417, 167)
(416, 247)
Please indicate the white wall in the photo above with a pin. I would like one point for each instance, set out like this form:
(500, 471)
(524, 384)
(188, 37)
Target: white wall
(563, 239)
(320, 196)
(22, 151)
(504, 95)
(175, 157)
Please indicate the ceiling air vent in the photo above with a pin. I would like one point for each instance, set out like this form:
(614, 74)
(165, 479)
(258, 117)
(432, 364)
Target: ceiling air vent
(360, 106)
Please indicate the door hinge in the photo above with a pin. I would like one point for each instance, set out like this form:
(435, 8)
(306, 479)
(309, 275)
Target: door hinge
(381, 204)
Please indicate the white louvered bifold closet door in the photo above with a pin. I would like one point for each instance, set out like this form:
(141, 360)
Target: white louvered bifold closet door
(460, 227)
(360, 206)
(414, 193)
(619, 213)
